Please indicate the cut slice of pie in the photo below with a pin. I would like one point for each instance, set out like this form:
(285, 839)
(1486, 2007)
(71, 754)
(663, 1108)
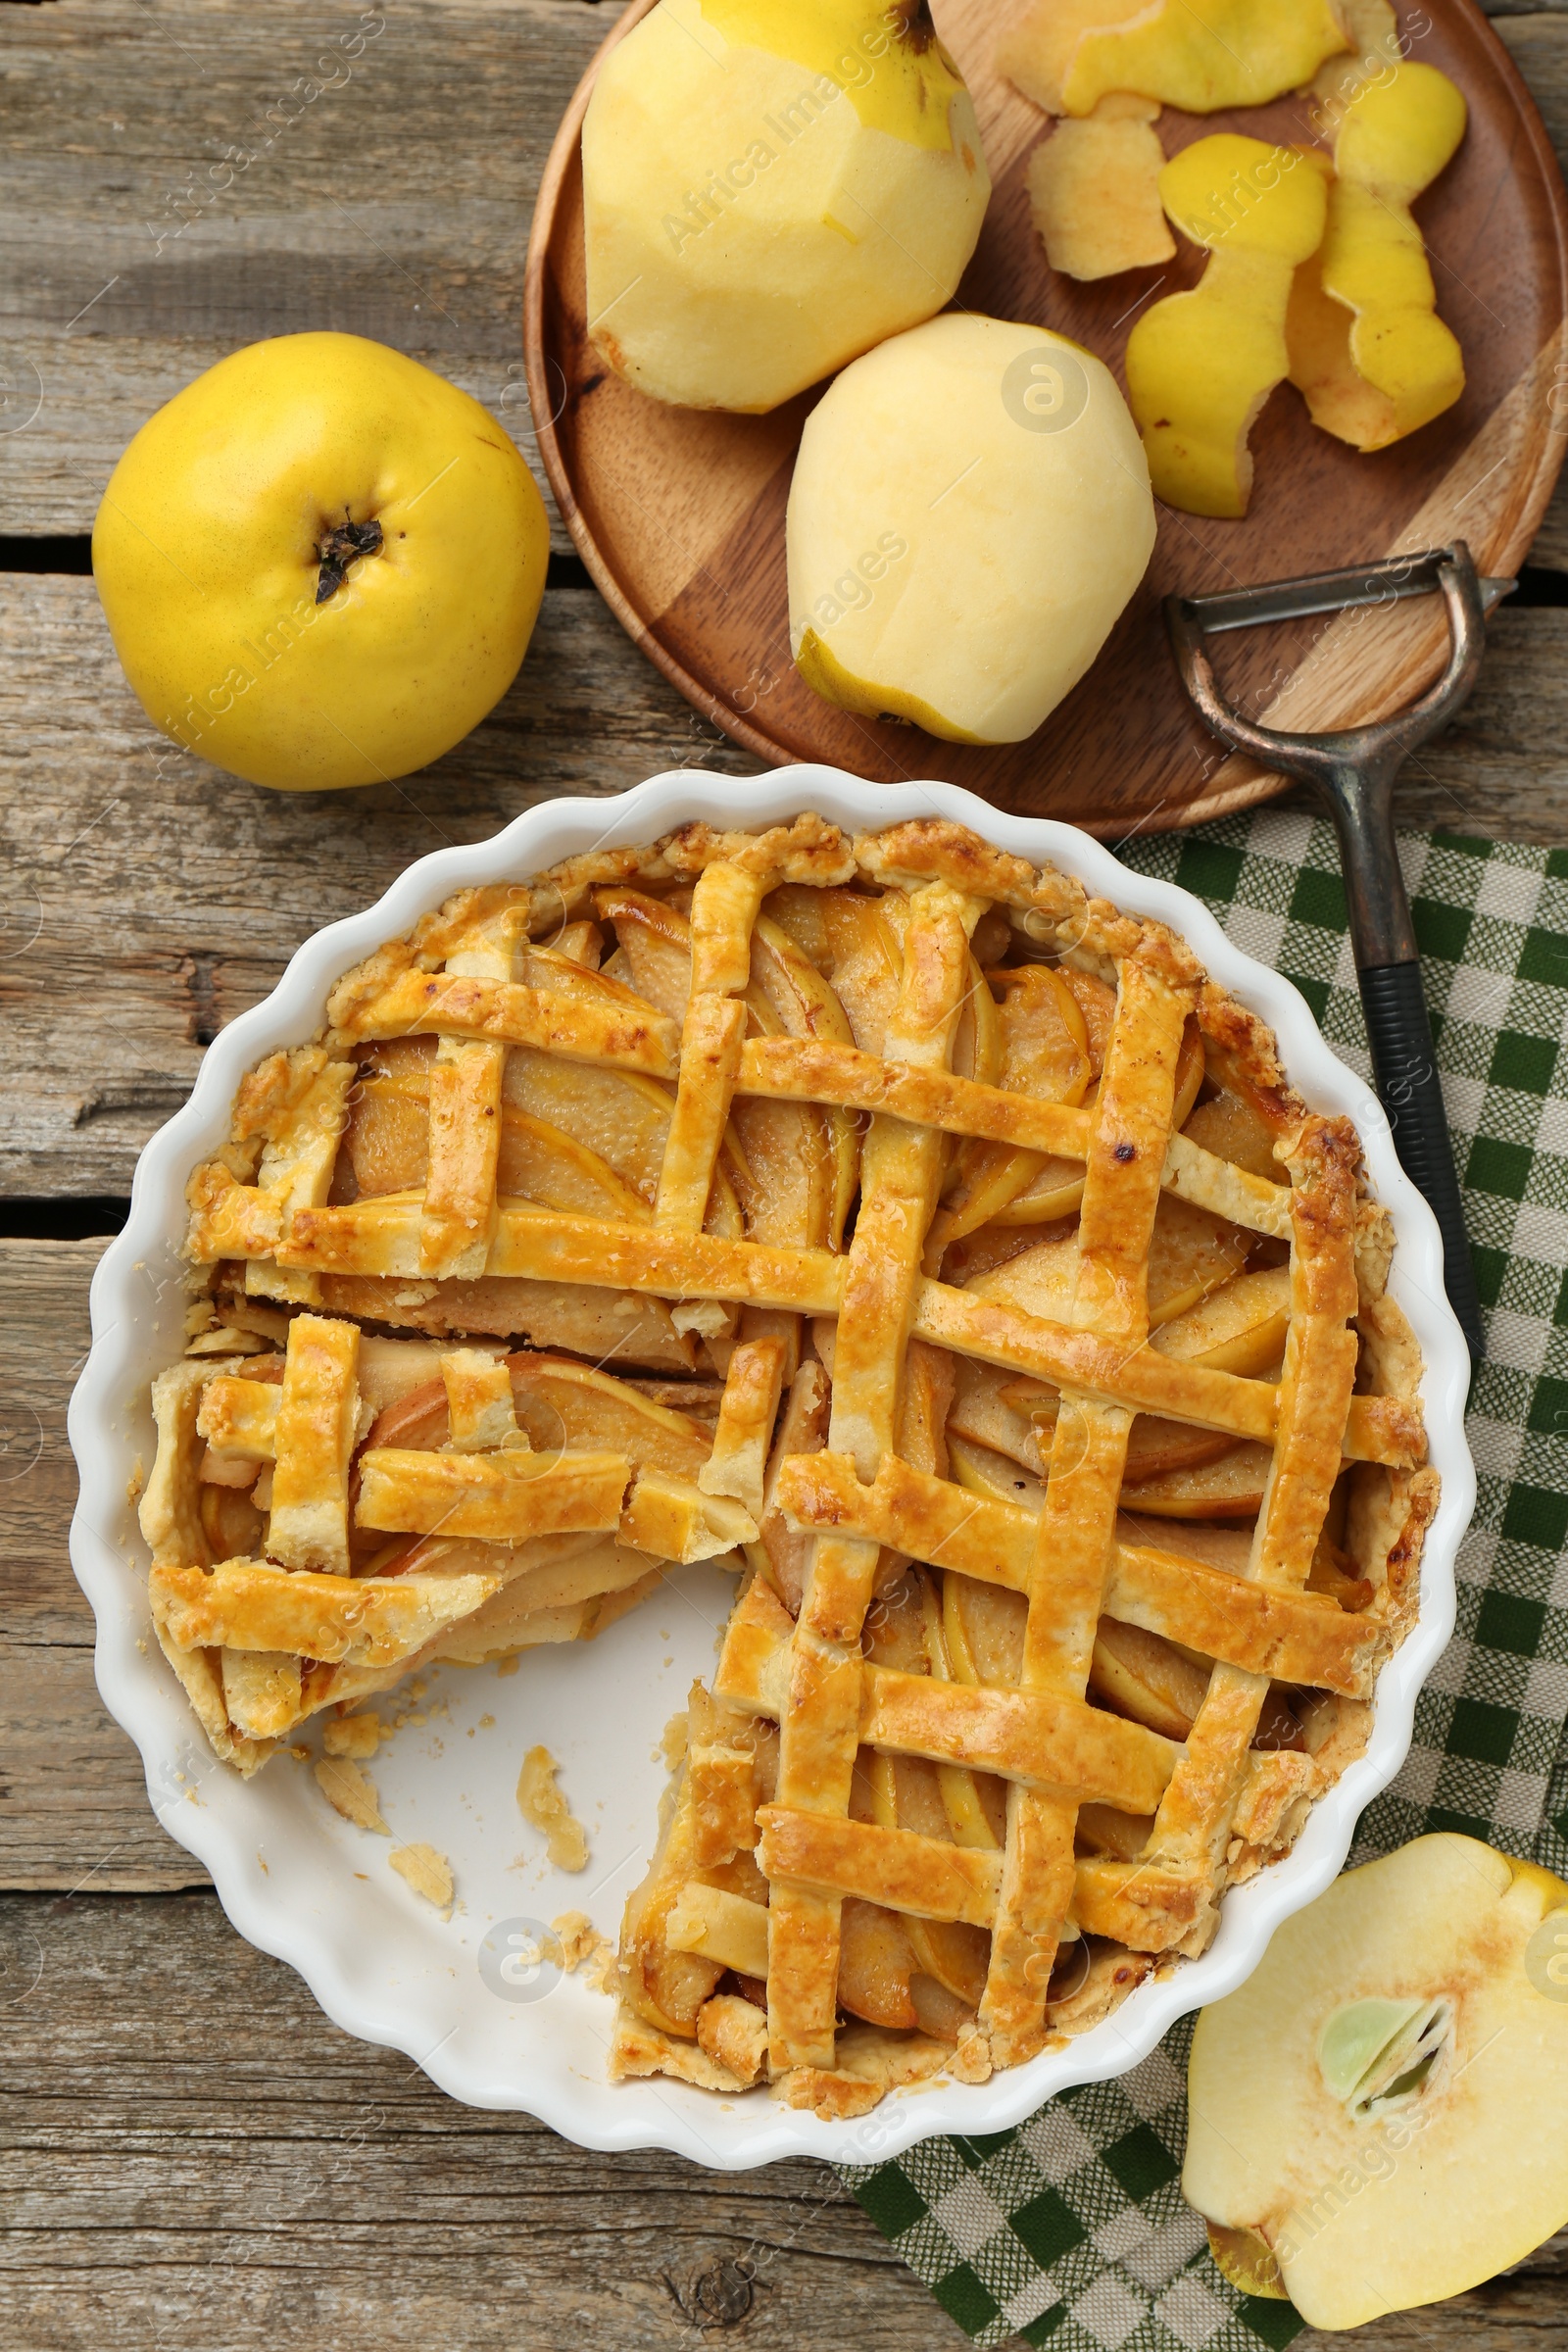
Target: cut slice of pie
(939, 1249)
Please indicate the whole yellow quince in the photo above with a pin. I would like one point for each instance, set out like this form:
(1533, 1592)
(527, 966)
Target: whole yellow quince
(321, 564)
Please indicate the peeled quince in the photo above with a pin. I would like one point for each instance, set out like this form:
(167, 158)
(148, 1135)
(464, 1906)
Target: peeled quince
(1376, 2115)
(969, 514)
(770, 188)
(1201, 365)
(1368, 351)
(321, 564)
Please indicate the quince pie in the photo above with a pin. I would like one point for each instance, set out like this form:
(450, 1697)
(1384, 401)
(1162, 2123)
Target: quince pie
(937, 1248)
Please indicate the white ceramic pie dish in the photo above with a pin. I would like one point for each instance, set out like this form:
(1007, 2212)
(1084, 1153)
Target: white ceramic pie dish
(462, 1997)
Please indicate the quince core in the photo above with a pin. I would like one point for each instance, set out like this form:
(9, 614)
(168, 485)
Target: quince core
(1376, 2115)
(770, 188)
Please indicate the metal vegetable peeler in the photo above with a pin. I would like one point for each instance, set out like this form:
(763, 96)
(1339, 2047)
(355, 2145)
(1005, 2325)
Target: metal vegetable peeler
(1353, 772)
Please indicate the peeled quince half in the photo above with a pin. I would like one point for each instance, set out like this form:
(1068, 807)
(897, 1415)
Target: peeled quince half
(1376, 2115)
(770, 188)
(321, 564)
(970, 512)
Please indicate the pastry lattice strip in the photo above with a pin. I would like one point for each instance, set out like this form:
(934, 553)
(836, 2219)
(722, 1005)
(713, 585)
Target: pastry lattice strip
(1061, 1749)
(1074, 1542)
(1193, 1822)
(1053, 1750)
(819, 1732)
(775, 1069)
(299, 1237)
(1290, 1636)
(302, 1609)
(382, 1237)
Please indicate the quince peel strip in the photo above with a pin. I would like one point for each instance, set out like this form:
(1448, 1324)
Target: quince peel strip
(1200, 55)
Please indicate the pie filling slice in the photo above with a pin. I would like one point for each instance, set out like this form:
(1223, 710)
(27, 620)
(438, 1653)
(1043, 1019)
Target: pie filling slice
(936, 1249)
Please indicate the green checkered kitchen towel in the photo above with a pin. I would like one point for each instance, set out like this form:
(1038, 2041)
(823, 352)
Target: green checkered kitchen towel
(1073, 2227)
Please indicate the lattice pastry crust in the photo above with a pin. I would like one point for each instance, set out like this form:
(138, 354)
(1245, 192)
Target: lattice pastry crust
(936, 1247)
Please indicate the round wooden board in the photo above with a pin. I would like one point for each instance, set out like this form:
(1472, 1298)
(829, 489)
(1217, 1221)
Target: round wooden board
(679, 513)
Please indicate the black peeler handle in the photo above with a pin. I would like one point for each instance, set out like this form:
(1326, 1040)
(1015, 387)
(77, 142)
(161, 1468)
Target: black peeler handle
(1405, 1070)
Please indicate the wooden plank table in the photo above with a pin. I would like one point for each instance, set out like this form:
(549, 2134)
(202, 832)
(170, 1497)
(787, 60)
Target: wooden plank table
(191, 2154)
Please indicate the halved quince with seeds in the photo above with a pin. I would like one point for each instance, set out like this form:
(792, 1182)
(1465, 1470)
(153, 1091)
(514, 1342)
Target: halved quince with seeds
(1376, 2113)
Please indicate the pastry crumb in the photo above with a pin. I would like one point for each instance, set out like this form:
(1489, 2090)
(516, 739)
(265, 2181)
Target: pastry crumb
(351, 1791)
(358, 1736)
(136, 1482)
(427, 1872)
(544, 1805)
(672, 1742)
(580, 1943)
(507, 1665)
(201, 1315)
(602, 1973)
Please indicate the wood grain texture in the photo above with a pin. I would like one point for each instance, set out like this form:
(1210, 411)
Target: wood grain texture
(1549, 550)
(144, 900)
(192, 2156)
(147, 901)
(74, 1805)
(680, 515)
(1537, 39)
(179, 193)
